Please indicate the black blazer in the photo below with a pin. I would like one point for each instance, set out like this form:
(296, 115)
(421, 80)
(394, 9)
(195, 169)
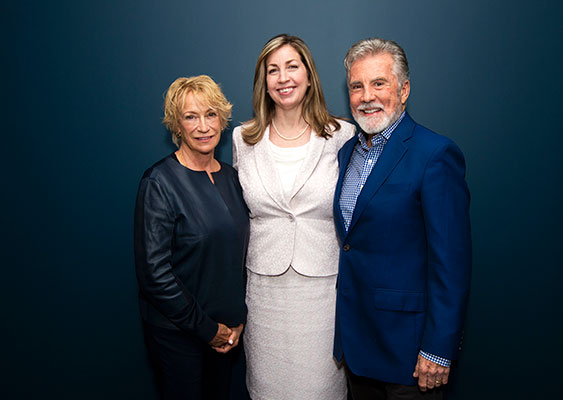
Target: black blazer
(190, 243)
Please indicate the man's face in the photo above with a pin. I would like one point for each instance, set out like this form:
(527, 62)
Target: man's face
(376, 100)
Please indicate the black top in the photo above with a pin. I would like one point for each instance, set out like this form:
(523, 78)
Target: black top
(190, 244)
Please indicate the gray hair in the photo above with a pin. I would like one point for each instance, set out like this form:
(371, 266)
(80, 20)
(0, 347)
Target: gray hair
(373, 46)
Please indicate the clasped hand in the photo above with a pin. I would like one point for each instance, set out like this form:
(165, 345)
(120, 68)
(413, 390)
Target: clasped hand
(226, 338)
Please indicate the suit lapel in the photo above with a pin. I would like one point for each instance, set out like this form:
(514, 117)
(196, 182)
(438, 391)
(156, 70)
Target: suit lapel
(393, 152)
(314, 152)
(343, 159)
(268, 172)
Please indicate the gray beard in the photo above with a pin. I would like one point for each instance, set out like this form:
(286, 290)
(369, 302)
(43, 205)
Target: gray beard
(370, 128)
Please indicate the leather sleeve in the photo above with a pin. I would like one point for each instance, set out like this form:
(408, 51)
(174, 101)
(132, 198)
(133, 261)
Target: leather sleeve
(153, 240)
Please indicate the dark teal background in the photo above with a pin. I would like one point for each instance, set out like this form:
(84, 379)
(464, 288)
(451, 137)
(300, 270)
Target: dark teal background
(83, 85)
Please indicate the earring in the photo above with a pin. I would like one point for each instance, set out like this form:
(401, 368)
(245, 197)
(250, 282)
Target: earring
(178, 135)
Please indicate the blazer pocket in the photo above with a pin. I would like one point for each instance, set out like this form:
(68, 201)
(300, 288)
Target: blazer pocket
(399, 300)
(388, 188)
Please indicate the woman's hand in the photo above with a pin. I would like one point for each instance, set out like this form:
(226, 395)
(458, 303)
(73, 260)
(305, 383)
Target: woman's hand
(232, 341)
(222, 336)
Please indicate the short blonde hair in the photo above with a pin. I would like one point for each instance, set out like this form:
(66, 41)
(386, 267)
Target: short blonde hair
(202, 86)
(315, 112)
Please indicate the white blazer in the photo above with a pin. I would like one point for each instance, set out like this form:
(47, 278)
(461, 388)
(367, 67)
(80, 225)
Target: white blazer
(298, 230)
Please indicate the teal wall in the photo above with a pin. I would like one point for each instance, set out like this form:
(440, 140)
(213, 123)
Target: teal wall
(83, 86)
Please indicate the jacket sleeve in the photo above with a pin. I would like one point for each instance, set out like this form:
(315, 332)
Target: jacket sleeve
(445, 205)
(235, 147)
(153, 239)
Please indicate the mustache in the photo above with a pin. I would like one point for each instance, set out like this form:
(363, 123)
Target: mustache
(371, 104)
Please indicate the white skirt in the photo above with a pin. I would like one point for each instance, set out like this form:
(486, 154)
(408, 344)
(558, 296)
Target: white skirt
(289, 337)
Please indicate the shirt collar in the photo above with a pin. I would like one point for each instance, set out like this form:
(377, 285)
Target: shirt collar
(386, 134)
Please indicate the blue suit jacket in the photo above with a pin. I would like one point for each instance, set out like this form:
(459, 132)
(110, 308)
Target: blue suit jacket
(405, 262)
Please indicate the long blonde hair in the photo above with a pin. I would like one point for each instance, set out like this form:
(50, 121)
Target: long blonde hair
(315, 112)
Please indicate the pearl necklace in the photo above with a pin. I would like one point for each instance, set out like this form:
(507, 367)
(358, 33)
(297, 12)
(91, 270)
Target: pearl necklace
(287, 138)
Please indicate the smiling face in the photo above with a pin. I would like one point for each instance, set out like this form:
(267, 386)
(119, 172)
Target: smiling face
(200, 126)
(287, 79)
(376, 101)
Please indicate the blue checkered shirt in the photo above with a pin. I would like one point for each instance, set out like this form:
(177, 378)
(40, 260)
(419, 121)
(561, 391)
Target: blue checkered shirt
(361, 163)
(359, 168)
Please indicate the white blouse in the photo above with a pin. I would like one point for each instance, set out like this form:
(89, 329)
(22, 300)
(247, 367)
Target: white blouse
(288, 161)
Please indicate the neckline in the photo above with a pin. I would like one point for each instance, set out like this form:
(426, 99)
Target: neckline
(175, 158)
(288, 148)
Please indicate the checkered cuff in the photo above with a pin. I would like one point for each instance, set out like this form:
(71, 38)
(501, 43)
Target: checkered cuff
(444, 362)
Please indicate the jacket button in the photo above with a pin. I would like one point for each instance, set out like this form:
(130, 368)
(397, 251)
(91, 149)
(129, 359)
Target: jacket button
(346, 247)
(291, 217)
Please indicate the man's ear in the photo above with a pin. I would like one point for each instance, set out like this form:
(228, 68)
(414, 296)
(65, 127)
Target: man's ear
(405, 91)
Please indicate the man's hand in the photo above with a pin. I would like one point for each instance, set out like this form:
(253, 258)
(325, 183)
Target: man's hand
(232, 341)
(430, 374)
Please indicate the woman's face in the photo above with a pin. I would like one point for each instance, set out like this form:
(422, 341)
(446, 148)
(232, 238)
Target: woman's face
(287, 79)
(199, 125)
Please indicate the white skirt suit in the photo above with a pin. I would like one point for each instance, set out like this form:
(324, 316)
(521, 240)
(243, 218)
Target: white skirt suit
(292, 264)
